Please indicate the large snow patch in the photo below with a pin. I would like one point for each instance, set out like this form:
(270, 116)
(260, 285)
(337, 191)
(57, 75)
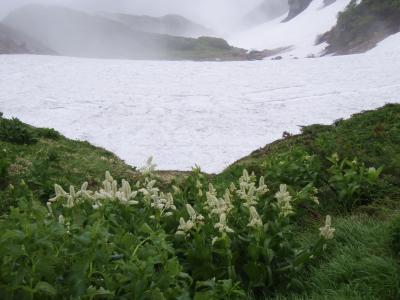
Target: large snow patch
(186, 113)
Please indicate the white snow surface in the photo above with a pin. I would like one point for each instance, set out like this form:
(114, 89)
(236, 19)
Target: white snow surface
(300, 33)
(187, 113)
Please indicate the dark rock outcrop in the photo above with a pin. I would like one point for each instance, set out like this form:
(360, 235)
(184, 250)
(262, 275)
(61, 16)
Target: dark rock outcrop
(296, 7)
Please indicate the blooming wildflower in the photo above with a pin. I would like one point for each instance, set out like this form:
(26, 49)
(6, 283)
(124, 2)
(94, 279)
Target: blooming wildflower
(255, 219)
(61, 219)
(149, 168)
(218, 206)
(176, 189)
(149, 191)
(262, 187)
(212, 190)
(222, 225)
(162, 202)
(248, 191)
(232, 187)
(284, 201)
(327, 231)
(59, 193)
(194, 216)
(184, 226)
(48, 204)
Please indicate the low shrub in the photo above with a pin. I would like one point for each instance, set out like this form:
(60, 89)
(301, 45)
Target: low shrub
(353, 183)
(48, 133)
(14, 131)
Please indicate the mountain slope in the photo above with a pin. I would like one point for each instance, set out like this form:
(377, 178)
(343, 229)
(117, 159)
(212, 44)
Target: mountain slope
(362, 26)
(265, 11)
(170, 24)
(300, 33)
(74, 33)
(14, 42)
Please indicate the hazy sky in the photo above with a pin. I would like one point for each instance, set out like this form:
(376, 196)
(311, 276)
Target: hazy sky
(213, 13)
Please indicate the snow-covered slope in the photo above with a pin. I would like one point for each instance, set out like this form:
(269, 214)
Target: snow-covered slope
(185, 113)
(300, 33)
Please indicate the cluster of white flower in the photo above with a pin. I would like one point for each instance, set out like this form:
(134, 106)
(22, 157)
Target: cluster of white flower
(149, 168)
(218, 206)
(255, 219)
(72, 198)
(195, 222)
(284, 201)
(111, 192)
(248, 191)
(327, 231)
(163, 203)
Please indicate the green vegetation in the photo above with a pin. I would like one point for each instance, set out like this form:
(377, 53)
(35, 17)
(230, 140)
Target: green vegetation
(41, 157)
(255, 231)
(363, 25)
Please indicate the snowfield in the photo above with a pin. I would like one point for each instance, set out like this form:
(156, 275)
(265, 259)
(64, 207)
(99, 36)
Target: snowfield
(187, 113)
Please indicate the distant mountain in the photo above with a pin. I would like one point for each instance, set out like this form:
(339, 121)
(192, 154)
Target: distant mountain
(264, 12)
(170, 24)
(75, 33)
(14, 42)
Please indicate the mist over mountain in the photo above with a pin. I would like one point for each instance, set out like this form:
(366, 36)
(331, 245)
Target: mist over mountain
(264, 12)
(175, 25)
(75, 33)
(14, 42)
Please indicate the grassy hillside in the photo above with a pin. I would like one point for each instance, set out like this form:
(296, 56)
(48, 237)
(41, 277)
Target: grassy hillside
(42, 157)
(361, 26)
(255, 234)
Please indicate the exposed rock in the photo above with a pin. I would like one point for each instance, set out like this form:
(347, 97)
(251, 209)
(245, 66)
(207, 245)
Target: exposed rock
(296, 7)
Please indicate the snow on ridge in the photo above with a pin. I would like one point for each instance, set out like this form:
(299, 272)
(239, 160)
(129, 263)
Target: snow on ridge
(301, 32)
(187, 113)
(389, 45)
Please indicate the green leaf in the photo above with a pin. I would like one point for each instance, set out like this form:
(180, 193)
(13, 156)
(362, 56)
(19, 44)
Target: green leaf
(45, 288)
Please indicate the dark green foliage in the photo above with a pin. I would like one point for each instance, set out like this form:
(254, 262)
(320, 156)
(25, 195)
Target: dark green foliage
(3, 171)
(362, 25)
(14, 131)
(353, 183)
(395, 236)
(48, 133)
(102, 256)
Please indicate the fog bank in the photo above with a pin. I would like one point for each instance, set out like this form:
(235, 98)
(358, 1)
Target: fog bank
(216, 14)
